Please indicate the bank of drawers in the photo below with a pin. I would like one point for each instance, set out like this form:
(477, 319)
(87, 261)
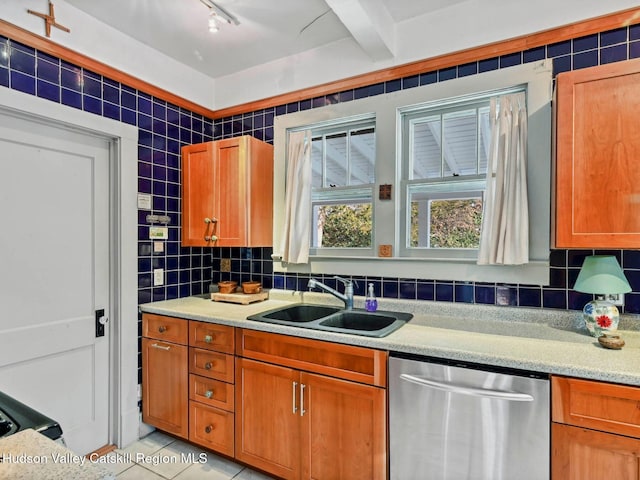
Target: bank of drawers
(211, 386)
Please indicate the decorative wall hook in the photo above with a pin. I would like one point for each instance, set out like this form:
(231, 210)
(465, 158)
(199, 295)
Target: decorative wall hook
(49, 20)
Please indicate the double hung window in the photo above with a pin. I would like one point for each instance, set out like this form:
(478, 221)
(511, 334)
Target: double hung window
(343, 174)
(445, 147)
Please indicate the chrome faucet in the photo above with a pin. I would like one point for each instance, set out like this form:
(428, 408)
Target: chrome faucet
(347, 297)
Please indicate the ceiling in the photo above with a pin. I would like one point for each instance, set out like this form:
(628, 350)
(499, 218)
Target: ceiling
(268, 30)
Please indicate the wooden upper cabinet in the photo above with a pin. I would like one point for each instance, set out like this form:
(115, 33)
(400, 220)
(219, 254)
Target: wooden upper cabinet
(597, 203)
(227, 193)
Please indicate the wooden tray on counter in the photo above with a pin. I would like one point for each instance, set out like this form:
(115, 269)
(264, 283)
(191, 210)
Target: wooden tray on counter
(242, 298)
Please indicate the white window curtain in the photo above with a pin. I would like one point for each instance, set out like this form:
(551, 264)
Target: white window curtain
(504, 238)
(297, 220)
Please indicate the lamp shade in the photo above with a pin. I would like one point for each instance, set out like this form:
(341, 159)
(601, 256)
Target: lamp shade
(601, 274)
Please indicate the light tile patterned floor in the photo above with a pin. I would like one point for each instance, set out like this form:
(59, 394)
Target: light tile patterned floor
(162, 457)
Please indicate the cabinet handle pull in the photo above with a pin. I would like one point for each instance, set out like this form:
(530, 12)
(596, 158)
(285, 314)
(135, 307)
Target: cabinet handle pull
(302, 410)
(208, 338)
(161, 347)
(208, 220)
(212, 238)
(208, 429)
(295, 407)
(208, 365)
(208, 393)
(162, 329)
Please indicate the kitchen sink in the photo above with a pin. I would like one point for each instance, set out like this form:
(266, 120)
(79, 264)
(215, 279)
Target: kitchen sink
(333, 319)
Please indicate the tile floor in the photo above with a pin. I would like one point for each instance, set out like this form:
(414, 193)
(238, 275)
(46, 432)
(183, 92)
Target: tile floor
(161, 457)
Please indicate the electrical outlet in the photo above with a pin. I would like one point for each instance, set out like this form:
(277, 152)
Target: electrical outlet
(225, 265)
(616, 298)
(158, 277)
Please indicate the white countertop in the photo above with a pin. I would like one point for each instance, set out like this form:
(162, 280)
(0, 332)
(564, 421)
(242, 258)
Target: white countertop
(548, 341)
(28, 455)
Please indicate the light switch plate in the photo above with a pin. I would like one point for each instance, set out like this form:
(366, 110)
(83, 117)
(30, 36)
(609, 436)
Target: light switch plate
(158, 277)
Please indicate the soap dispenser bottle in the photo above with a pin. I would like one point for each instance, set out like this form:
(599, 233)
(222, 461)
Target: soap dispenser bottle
(370, 302)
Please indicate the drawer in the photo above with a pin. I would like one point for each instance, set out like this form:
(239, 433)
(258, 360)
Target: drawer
(358, 364)
(211, 336)
(596, 405)
(211, 428)
(211, 392)
(168, 329)
(211, 364)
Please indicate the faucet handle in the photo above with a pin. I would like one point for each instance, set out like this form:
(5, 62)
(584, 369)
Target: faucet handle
(346, 282)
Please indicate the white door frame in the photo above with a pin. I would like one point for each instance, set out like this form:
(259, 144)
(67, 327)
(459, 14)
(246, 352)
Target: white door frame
(123, 138)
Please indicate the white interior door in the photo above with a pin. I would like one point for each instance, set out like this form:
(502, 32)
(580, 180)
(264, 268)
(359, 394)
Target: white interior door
(54, 275)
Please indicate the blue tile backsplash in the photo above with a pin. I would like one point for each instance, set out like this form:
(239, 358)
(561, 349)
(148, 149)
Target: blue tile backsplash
(163, 128)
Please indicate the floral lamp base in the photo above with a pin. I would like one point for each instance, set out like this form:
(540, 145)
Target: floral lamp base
(600, 317)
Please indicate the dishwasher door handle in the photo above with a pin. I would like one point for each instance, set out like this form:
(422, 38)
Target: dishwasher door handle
(464, 390)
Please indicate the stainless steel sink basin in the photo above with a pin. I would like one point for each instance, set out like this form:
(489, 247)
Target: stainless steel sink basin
(333, 319)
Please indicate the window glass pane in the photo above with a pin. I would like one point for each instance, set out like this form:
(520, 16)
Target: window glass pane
(485, 139)
(316, 162)
(342, 225)
(426, 149)
(445, 223)
(336, 160)
(459, 143)
(363, 155)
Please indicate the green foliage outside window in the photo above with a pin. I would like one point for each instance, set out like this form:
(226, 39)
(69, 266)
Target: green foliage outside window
(345, 226)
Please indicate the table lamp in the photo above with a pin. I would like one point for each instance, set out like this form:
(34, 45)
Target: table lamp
(601, 275)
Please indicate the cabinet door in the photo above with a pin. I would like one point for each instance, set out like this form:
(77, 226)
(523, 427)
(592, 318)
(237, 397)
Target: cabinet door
(582, 454)
(198, 200)
(267, 417)
(165, 386)
(597, 152)
(231, 193)
(343, 429)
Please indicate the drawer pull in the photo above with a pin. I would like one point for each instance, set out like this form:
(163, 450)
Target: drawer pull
(208, 393)
(161, 347)
(208, 429)
(208, 365)
(208, 338)
(162, 329)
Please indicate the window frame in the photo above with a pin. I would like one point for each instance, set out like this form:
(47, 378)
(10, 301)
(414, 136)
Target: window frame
(538, 76)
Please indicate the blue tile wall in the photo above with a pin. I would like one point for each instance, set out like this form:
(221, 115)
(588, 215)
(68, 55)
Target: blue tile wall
(163, 128)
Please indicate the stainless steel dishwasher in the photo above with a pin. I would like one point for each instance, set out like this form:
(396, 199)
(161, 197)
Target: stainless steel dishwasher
(454, 421)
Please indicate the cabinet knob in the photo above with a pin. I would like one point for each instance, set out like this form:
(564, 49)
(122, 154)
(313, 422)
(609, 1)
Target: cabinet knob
(208, 338)
(210, 220)
(208, 365)
(208, 393)
(162, 329)
(212, 238)
(208, 428)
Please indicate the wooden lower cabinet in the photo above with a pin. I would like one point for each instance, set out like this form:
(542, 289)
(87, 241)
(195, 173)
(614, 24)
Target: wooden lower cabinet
(301, 425)
(343, 429)
(595, 434)
(583, 454)
(165, 373)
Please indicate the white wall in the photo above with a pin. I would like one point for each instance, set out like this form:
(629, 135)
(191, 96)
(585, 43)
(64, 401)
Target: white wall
(105, 44)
